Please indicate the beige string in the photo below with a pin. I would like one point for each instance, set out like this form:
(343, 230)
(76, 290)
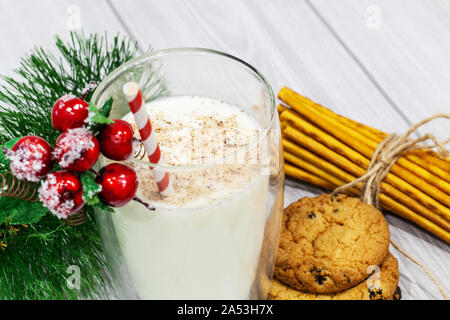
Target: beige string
(384, 157)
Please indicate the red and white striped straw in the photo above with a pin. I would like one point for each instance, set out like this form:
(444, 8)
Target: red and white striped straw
(133, 94)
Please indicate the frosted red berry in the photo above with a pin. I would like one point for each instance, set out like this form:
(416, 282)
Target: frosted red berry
(116, 140)
(30, 158)
(77, 150)
(62, 193)
(119, 184)
(69, 112)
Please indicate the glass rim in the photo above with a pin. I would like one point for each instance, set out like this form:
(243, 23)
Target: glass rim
(110, 78)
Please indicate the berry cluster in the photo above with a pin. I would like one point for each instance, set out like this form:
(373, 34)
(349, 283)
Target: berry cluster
(76, 150)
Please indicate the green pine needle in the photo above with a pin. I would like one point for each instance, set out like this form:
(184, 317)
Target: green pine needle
(34, 264)
(25, 103)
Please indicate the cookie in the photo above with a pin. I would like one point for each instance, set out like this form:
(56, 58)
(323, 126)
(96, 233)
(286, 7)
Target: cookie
(384, 289)
(328, 244)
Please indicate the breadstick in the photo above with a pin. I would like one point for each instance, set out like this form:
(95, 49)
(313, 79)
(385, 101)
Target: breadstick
(285, 93)
(311, 144)
(316, 160)
(300, 163)
(346, 177)
(422, 179)
(411, 184)
(351, 135)
(408, 214)
(349, 166)
(282, 108)
(292, 171)
(433, 158)
(431, 163)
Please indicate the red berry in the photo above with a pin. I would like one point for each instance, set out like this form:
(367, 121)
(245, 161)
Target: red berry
(69, 112)
(62, 193)
(77, 150)
(119, 184)
(116, 140)
(30, 158)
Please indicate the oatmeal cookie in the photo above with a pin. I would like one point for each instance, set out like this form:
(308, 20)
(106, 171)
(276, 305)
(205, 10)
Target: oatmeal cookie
(384, 289)
(328, 244)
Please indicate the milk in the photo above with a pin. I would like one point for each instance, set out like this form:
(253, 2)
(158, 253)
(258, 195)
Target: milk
(204, 241)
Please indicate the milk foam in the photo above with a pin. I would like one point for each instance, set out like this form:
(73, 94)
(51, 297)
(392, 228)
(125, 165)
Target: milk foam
(176, 118)
(195, 130)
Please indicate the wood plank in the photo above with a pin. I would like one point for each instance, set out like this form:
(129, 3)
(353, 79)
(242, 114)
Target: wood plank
(289, 43)
(300, 53)
(405, 50)
(407, 57)
(25, 24)
(286, 40)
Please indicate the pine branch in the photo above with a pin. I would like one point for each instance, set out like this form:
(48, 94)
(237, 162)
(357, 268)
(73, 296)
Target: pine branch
(34, 266)
(35, 262)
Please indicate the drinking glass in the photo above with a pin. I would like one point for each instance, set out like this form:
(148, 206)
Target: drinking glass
(224, 245)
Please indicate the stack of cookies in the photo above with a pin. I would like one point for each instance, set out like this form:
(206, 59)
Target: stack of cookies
(334, 248)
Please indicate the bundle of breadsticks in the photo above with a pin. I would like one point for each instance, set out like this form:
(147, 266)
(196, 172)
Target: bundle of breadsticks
(329, 150)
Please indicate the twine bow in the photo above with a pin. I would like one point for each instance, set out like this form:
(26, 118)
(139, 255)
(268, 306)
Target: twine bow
(384, 157)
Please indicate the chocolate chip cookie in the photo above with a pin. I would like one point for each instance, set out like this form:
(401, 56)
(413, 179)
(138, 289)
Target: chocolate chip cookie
(328, 244)
(386, 288)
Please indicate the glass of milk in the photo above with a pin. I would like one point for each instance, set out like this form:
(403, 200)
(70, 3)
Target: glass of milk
(216, 235)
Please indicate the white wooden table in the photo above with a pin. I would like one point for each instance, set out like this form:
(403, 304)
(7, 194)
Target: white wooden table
(385, 63)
